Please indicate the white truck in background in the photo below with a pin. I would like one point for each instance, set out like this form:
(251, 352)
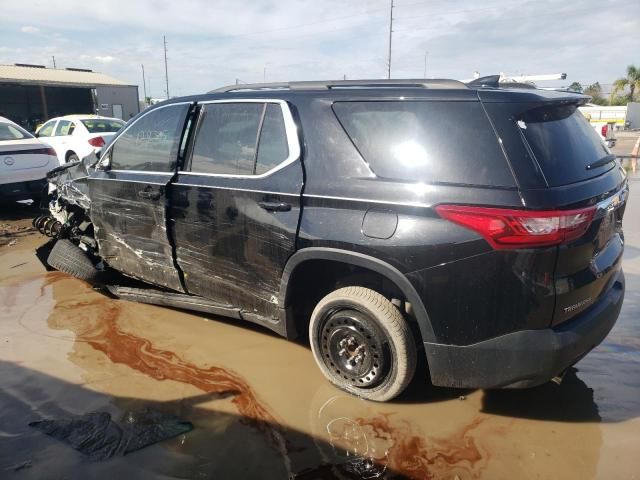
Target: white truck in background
(605, 120)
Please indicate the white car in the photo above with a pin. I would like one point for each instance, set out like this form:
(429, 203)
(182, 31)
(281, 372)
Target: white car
(24, 163)
(75, 136)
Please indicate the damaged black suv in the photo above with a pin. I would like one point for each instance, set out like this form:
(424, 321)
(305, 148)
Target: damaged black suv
(479, 224)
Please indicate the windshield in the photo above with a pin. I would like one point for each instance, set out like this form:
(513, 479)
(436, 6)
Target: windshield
(9, 131)
(102, 125)
(563, 143)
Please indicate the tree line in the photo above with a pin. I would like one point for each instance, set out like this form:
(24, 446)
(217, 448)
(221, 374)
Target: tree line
(625, 89)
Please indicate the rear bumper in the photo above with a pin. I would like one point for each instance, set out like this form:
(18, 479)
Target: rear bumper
(22, 190)
(526, 358)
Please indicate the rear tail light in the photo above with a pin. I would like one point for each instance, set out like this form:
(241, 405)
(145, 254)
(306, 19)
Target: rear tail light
(96, 142)
(508, 229)
(604, 130)
(50, 151)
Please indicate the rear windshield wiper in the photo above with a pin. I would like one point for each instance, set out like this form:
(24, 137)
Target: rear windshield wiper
(602, 162)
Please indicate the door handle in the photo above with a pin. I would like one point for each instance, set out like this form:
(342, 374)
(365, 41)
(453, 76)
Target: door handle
(275, 206)
(149, 194)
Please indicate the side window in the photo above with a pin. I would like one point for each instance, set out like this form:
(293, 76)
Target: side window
(151, 143)
(64, 128)
(47, 129)
(226, 138)
(272, 147)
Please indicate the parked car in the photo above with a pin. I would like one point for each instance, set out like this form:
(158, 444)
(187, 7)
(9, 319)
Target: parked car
(24, 163)
(76, 136)
(477, 224)
(606, 128)
(607, 131)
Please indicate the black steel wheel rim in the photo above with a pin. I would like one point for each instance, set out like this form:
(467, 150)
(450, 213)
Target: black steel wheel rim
(354, 348)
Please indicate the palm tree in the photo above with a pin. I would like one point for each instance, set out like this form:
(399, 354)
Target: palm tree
(632, 81)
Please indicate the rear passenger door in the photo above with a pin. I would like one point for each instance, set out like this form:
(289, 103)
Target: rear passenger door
(61, 138)
(236, 206)
(46, 135)
(129, 197)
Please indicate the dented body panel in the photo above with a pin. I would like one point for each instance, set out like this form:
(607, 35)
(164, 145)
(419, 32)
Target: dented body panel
(231, 247)
(129, 213)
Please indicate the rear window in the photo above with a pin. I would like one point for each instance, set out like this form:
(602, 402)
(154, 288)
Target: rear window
(431, 142)
(102, 126)
(563, 143)
(12, 132)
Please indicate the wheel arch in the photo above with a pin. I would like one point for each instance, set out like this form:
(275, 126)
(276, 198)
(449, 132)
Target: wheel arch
(358, 260)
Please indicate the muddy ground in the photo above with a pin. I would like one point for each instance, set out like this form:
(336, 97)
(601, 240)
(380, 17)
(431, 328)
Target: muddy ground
(216, 399)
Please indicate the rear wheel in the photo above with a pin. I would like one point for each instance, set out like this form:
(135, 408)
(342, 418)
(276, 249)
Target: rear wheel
(72, 157)
(362, 343)
(66, 257)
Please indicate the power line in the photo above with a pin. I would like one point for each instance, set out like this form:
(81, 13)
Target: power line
(299, 26)
(451, 13)
(426, 53)
(439, 2)
(508, 19)
(166, 70)
(390, 39)
(144, 85)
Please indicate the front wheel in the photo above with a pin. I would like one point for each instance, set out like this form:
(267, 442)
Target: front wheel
(66, 257)
(362, 343)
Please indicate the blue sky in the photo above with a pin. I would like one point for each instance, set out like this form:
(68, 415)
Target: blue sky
(211, 43)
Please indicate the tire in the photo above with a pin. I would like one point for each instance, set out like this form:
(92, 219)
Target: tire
(362, 343)
(72, 157)
(67, 257)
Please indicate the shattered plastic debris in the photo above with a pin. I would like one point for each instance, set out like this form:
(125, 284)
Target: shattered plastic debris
(99, 437)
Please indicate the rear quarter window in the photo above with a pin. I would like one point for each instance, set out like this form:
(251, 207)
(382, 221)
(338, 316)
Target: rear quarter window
(426, 141)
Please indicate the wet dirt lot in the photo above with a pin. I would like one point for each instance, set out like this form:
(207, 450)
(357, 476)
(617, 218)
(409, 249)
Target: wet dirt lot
(215, 399)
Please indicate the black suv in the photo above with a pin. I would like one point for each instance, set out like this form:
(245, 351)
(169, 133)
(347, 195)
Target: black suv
(478, 223)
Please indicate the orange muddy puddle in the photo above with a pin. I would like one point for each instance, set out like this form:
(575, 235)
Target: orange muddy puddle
(261, 409)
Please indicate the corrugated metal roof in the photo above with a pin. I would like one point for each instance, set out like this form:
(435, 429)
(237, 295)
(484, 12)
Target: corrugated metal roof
(51, 77)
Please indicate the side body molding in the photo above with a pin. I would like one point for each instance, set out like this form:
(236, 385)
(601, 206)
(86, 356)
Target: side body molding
(358, 260)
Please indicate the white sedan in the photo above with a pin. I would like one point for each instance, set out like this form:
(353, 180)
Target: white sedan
(24, 163)
(75, 136)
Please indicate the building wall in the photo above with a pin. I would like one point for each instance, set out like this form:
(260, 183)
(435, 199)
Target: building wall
(109, 96)
(605, 113)
(32, 105)
(633, 114)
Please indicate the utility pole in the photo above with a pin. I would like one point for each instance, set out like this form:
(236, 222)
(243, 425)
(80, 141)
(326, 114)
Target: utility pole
(54, 61)
(144, 85)
(264, 73)
(166, 71)
(425, 63)
(390, 38)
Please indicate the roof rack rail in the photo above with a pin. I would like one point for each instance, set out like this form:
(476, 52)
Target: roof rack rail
(337, 84)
